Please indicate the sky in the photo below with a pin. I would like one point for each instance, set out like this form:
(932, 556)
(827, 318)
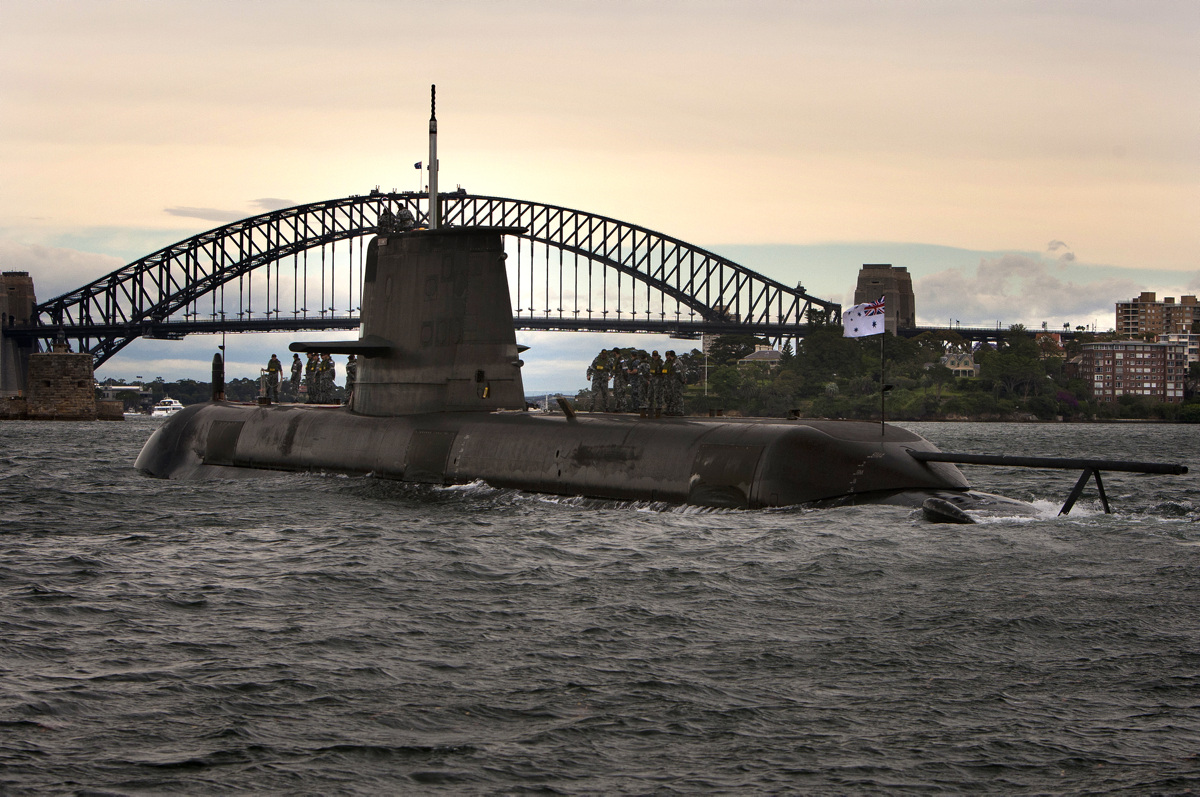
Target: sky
(1028, 162)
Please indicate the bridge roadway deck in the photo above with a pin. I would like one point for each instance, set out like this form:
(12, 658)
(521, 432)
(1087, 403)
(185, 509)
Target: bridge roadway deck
(678, 328)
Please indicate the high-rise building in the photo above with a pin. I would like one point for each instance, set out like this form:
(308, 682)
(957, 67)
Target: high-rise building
(1189, 340)
(895, 284)
(1145, 315)
(1129, 367)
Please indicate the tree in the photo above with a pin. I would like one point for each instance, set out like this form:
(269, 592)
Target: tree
(940, 376)
(818, 316)
(935, 344)
(824, 353)
(691, 365)
(1012, 372)
(728, 349)
(1049, 347)
(725, 382)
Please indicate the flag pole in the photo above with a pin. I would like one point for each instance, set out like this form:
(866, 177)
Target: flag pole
(882, 386)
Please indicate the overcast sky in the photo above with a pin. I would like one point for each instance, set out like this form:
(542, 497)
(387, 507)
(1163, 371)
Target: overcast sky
(1027, 161)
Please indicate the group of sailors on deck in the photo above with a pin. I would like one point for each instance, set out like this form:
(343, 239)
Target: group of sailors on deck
(314, 381)
(639, 383)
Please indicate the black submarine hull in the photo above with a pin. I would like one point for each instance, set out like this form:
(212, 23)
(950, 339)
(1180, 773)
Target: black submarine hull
(742, 463)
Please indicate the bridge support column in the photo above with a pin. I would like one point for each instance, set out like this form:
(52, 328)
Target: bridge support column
(61, 386)
(16, 307)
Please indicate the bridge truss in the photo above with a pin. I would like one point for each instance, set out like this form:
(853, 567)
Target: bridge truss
(301, 269)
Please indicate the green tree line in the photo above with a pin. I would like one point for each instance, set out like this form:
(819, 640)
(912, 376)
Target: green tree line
(831, 376)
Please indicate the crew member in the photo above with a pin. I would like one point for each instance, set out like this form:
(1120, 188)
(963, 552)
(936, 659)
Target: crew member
(656, 384)
(297, 369)
(274, 371)
(598, 372)
(328, 373)
(673, 386)
(643, 393)
(620, 387)
(310, 378)
(351, 377)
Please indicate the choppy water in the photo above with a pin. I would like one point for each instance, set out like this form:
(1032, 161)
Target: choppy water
(318, 635)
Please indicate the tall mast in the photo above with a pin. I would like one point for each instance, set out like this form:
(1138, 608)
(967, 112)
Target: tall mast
(435, 210)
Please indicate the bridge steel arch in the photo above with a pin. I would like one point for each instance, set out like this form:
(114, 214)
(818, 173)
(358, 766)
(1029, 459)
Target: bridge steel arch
(721, 292)
(147, 297)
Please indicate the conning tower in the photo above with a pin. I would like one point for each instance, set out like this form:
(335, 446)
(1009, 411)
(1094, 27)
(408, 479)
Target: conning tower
(437, 331)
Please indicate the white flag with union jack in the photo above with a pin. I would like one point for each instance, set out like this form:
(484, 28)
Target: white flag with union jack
(864, 319)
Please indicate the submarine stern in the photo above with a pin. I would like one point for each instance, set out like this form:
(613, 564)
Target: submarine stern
(847, 462)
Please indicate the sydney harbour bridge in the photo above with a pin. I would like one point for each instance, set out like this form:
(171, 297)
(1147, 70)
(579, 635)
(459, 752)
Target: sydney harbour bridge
(301, 269)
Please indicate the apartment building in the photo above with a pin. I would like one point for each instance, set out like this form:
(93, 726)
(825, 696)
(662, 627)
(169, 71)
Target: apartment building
(1145, 315)
(1129, 367)
(1189, 340)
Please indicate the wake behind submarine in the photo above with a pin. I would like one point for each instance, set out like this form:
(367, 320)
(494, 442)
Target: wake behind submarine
(439, 400)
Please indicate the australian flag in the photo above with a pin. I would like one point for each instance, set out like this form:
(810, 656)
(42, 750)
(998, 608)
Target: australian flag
(864, 319)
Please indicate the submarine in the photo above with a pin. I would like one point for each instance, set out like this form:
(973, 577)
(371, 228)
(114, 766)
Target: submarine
(439, 400)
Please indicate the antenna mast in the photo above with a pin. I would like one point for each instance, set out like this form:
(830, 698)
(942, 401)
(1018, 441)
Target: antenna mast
(435, 210)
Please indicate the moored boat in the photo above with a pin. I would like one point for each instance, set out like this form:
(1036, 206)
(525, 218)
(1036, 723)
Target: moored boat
(166, 408)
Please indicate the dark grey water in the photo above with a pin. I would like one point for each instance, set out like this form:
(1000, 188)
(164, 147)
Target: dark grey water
(317, 635)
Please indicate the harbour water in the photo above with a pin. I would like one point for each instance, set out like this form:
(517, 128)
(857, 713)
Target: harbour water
(321, 635)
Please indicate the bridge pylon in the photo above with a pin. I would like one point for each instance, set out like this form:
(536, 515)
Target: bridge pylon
(17, 302)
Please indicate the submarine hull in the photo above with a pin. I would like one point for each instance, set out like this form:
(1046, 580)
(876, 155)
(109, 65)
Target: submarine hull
(728, 463)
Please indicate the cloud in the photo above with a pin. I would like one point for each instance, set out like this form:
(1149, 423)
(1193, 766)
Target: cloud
(1017, 289)
(216, 214)
(271, 203)
(208, 214)
(55, 270)
(1067, 256)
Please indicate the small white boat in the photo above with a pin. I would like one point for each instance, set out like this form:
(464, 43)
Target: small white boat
(166, 408)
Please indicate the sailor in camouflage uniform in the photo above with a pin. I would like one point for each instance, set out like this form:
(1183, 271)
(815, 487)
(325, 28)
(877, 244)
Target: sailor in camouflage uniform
(599, 372)
(633, 384)
(620, 388)
(351, 377)
(297, 369)
(328, 375)
(310, 379)
(643, 394)
(274, 370)
(656, 384)
(672, 386)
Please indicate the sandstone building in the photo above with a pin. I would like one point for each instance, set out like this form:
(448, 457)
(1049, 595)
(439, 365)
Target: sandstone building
(895, 284)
